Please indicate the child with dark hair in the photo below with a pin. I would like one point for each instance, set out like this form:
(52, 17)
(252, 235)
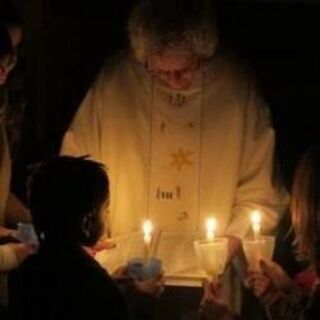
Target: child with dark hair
(67, 198)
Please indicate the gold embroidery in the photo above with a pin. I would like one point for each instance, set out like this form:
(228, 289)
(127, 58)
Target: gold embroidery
(182, 216)
(181, 158)
(190, 125)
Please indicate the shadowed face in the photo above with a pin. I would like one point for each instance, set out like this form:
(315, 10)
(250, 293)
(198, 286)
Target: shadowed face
(96, 225)
(175, 68)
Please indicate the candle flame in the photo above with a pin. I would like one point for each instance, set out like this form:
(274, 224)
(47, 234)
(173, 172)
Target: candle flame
(147, 231)
(211, 226)
(256, 217)
(256, 223)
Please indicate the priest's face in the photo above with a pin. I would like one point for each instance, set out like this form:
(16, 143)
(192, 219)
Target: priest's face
(174, 68)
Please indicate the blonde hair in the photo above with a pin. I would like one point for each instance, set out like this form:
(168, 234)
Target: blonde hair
(159, 25)
(305, 205)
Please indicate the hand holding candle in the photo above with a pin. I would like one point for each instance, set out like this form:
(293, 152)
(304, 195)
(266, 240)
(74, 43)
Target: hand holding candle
(211, 252)
(146, 270)
(260, 247)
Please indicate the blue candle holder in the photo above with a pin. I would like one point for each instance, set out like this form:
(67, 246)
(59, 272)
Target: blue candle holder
(140, 269)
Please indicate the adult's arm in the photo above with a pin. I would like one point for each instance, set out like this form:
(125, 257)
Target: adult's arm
(16, 212)
(84, 135)
(258, 186)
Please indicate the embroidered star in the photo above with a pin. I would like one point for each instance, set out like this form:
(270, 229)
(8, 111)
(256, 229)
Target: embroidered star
(181, 158)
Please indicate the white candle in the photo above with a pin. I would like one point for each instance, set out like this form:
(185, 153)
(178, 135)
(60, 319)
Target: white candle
(256, 223)
(211, 226)
(147, 229)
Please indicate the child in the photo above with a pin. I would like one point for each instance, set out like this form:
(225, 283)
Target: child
(286, 298)
(67, 198)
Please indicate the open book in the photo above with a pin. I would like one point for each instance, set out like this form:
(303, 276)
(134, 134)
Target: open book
(175, 250)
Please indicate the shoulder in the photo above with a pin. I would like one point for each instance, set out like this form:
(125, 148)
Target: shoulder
(92, 273)
(234, 79)
(100, 289)
(231, 74)
(227, 65)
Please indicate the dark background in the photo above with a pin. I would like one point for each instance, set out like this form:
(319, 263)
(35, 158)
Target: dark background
(67, 41)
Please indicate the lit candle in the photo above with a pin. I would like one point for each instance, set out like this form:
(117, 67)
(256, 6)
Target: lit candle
(256, 223)
(211, 226)
(147, 229)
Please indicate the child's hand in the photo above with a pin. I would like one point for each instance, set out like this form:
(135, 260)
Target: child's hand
(6, 232)
(263, 287)
(103, 244)
(271, 283)
(212, 293)
(23, 250)
(153, 287)
(13, 254)
(277, 275)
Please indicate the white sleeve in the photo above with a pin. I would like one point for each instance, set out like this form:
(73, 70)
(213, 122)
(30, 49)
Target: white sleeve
(8, 258)
(258, 187)
(83, 136)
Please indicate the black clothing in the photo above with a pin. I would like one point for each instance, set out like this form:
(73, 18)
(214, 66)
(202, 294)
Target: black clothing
(62, 284)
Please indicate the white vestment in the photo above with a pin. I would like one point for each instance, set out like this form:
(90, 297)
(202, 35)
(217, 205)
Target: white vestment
(179, 157)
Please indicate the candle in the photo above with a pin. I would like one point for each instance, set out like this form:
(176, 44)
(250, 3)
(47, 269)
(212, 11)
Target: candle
(147, 229)
(256, 224)
(211, 226)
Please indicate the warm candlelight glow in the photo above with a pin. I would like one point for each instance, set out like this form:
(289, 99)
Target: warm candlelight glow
(256, 223)
(211, 226)
(147, 229)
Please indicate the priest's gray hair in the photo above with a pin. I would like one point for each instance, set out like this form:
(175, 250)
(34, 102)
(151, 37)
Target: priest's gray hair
(157, 25)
